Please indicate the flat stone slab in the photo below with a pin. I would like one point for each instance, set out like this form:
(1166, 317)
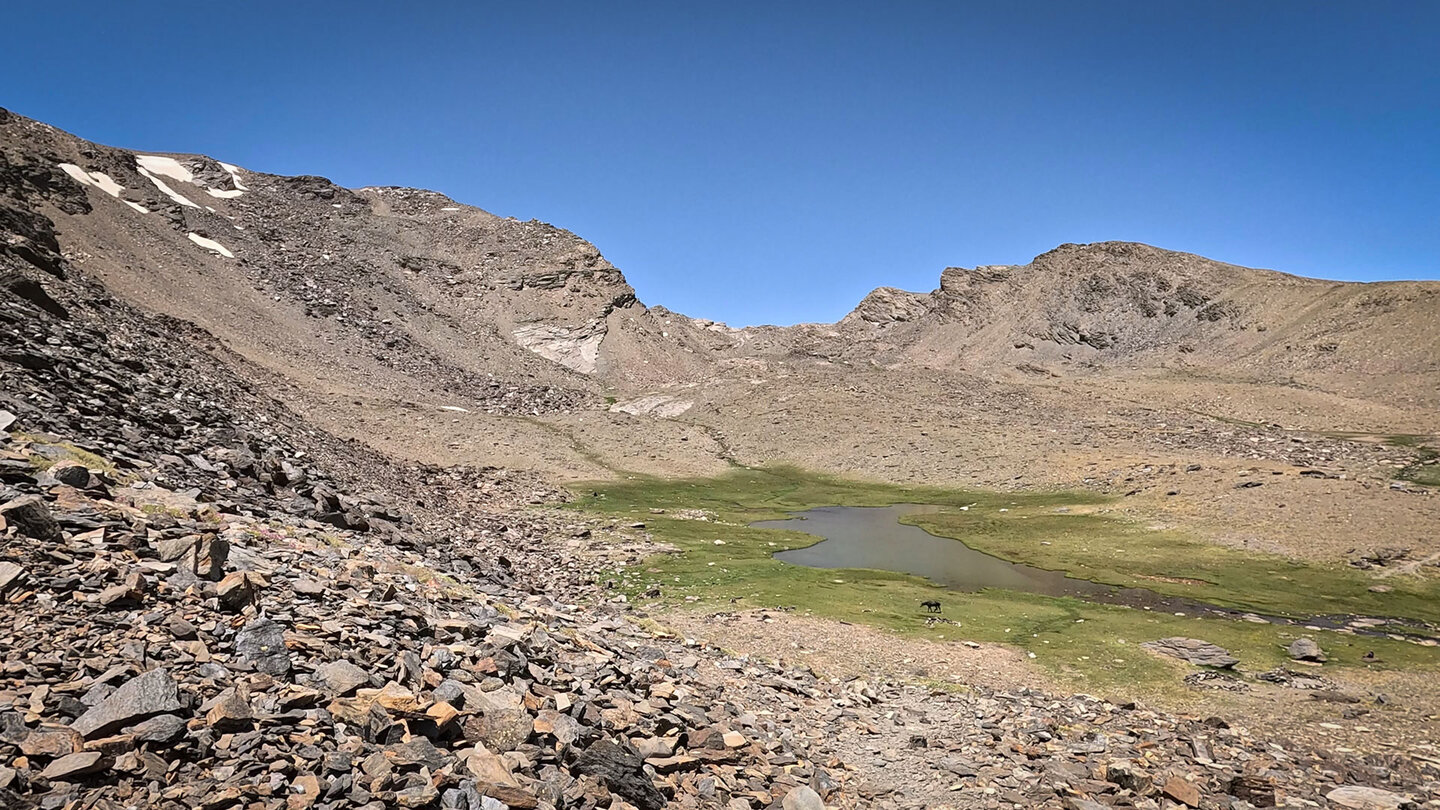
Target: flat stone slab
(142, 696)
(81, 764)
(1196, 651)
(1366, 798)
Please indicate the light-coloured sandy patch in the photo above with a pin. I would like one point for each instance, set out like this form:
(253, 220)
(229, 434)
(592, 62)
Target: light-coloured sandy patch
(210, 244)
(576, 347)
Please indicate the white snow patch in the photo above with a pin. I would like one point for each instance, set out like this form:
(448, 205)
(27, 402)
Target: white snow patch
(169, 192)
(210, 244)
(101, 181)
(165, 167)
(450, 208)
(575, 347)
(454, 408)
(664, 406)
(234, 174)
(152, 165)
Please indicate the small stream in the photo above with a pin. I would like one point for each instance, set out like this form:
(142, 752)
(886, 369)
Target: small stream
(873, 537)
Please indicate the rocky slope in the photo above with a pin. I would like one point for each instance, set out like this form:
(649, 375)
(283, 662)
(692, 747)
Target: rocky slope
(407, 296)
(211, 598)
(385, 291)
(198, 613)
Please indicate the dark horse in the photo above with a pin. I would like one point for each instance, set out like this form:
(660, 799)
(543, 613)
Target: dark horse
(931, 606)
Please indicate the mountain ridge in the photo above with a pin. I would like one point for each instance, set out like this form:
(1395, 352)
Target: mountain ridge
(408, 293)
(424, 282)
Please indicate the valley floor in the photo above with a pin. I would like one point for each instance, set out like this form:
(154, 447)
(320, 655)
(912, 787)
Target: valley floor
(713, 577)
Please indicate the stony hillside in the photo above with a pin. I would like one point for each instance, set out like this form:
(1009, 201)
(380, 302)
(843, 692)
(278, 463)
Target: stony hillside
(1082, 309)
(199, 611)
(386, 291)
(408, 297)
(209, 604)
(255, 553)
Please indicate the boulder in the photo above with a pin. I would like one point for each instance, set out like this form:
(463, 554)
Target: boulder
(161, 729)
(52, 742)
(141, 697)
(261, 644)
(72, 474)
(1123, 772)
(231, 712)
(1305, 649)
(802, 798)
(341, 677)
(501, 723)
(10, 574)
(238, 589)
(1198, 652)
(31, 517)
(1182, 791)
(622, 771)
(76, 765)
(1253, 788)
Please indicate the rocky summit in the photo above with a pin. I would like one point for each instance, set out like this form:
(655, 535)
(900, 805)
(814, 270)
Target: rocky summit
(281, 466)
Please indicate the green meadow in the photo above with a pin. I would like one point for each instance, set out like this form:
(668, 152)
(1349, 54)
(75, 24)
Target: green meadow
(721, 563)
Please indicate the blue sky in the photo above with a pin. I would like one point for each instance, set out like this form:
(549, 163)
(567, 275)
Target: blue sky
(773, 162)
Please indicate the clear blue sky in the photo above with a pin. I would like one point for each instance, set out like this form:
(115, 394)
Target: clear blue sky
(773, 162)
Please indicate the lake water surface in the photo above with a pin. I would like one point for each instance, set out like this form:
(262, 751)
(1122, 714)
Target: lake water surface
(873, 537)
